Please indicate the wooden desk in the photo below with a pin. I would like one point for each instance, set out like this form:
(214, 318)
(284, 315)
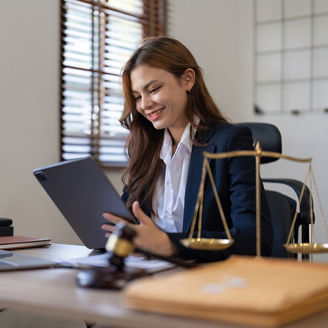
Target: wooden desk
(54, 293)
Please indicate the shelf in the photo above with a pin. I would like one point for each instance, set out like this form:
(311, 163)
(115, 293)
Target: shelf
(289, 81)
(287, 50)
(290, 18)
(291, 111)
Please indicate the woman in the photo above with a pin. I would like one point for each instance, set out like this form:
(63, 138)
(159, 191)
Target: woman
(172, 119)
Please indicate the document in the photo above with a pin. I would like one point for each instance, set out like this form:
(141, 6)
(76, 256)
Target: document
(101, 260)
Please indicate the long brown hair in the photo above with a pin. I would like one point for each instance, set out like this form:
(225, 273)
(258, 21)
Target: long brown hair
(144, 141)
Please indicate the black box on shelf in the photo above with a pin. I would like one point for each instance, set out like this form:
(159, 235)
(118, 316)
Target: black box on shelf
(6, 228)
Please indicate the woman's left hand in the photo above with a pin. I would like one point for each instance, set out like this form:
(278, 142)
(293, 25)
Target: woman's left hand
(149, 237)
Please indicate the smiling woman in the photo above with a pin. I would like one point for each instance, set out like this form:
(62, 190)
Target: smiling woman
(172, 120)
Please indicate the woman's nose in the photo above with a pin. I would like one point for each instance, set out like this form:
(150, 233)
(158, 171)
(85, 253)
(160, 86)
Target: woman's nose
(146, 103)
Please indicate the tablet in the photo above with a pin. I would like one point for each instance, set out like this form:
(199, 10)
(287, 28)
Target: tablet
(82, 193)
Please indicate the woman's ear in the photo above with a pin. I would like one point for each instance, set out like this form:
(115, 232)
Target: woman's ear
(188, 79)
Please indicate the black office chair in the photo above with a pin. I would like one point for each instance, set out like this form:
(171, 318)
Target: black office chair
(282, 207)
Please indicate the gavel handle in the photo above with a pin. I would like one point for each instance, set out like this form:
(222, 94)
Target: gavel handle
(170, 259)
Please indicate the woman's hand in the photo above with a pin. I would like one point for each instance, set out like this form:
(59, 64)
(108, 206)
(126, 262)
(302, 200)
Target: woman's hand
(149, 237)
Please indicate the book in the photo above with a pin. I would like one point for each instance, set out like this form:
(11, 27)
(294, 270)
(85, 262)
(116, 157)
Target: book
(254, 291)
(16, 242)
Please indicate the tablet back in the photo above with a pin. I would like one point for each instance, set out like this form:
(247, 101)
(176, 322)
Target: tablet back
(81, 191)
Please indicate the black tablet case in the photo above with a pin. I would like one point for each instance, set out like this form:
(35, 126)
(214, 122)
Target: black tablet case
(82, 193)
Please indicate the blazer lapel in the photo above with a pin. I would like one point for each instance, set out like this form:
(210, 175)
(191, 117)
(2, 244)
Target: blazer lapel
(193, 180)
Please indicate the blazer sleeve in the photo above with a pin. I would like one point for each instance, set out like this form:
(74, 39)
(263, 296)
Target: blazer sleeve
(235, 178)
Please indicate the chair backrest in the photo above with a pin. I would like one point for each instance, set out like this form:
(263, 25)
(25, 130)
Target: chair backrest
(269, 137)
(282, 207)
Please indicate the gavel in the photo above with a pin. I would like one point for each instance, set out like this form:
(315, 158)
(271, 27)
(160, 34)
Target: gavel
(117, 274)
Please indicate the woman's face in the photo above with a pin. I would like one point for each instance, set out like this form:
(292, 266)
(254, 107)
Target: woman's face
(160, 97)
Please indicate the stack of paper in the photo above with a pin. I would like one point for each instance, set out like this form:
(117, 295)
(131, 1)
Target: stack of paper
(246, 290)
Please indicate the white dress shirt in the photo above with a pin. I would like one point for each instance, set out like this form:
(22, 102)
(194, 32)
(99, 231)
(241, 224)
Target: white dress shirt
(169, 195)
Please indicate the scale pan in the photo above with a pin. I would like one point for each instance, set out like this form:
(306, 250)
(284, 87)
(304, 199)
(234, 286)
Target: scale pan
(207, 243)
(307, 248)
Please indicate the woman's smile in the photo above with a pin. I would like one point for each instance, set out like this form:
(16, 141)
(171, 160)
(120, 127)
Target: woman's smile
(155, 115)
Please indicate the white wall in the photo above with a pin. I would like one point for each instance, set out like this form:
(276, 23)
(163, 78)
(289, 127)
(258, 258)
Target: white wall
(29, 122)
(29, 105)
(219, 33)
(210, 29)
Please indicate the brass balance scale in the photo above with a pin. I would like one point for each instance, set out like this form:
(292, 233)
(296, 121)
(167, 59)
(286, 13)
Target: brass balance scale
(220, 244)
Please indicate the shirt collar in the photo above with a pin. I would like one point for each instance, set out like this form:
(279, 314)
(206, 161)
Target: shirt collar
(185, 140)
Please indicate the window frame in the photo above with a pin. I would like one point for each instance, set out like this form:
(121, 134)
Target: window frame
(153, 23)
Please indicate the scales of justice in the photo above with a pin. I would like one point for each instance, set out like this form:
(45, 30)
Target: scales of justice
(219, 244)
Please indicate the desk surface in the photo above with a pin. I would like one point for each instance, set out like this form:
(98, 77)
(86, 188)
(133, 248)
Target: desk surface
(53, 292)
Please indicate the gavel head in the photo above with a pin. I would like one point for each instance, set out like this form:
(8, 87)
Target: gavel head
(120, 244)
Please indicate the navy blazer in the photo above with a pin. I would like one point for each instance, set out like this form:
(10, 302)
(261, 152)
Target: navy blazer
(235, 182)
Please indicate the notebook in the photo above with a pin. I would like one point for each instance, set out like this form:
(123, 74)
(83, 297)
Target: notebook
(16, 242)
(10, 261)
(82, 192)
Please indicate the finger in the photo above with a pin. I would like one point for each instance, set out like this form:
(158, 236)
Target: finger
(140, 214)
(108, 227)
(113, 218)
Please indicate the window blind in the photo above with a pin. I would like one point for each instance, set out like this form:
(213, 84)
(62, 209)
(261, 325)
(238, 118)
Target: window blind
(97, 38)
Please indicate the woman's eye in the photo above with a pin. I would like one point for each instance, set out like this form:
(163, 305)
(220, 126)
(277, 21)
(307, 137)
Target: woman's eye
(154, 90)
(137, 98)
